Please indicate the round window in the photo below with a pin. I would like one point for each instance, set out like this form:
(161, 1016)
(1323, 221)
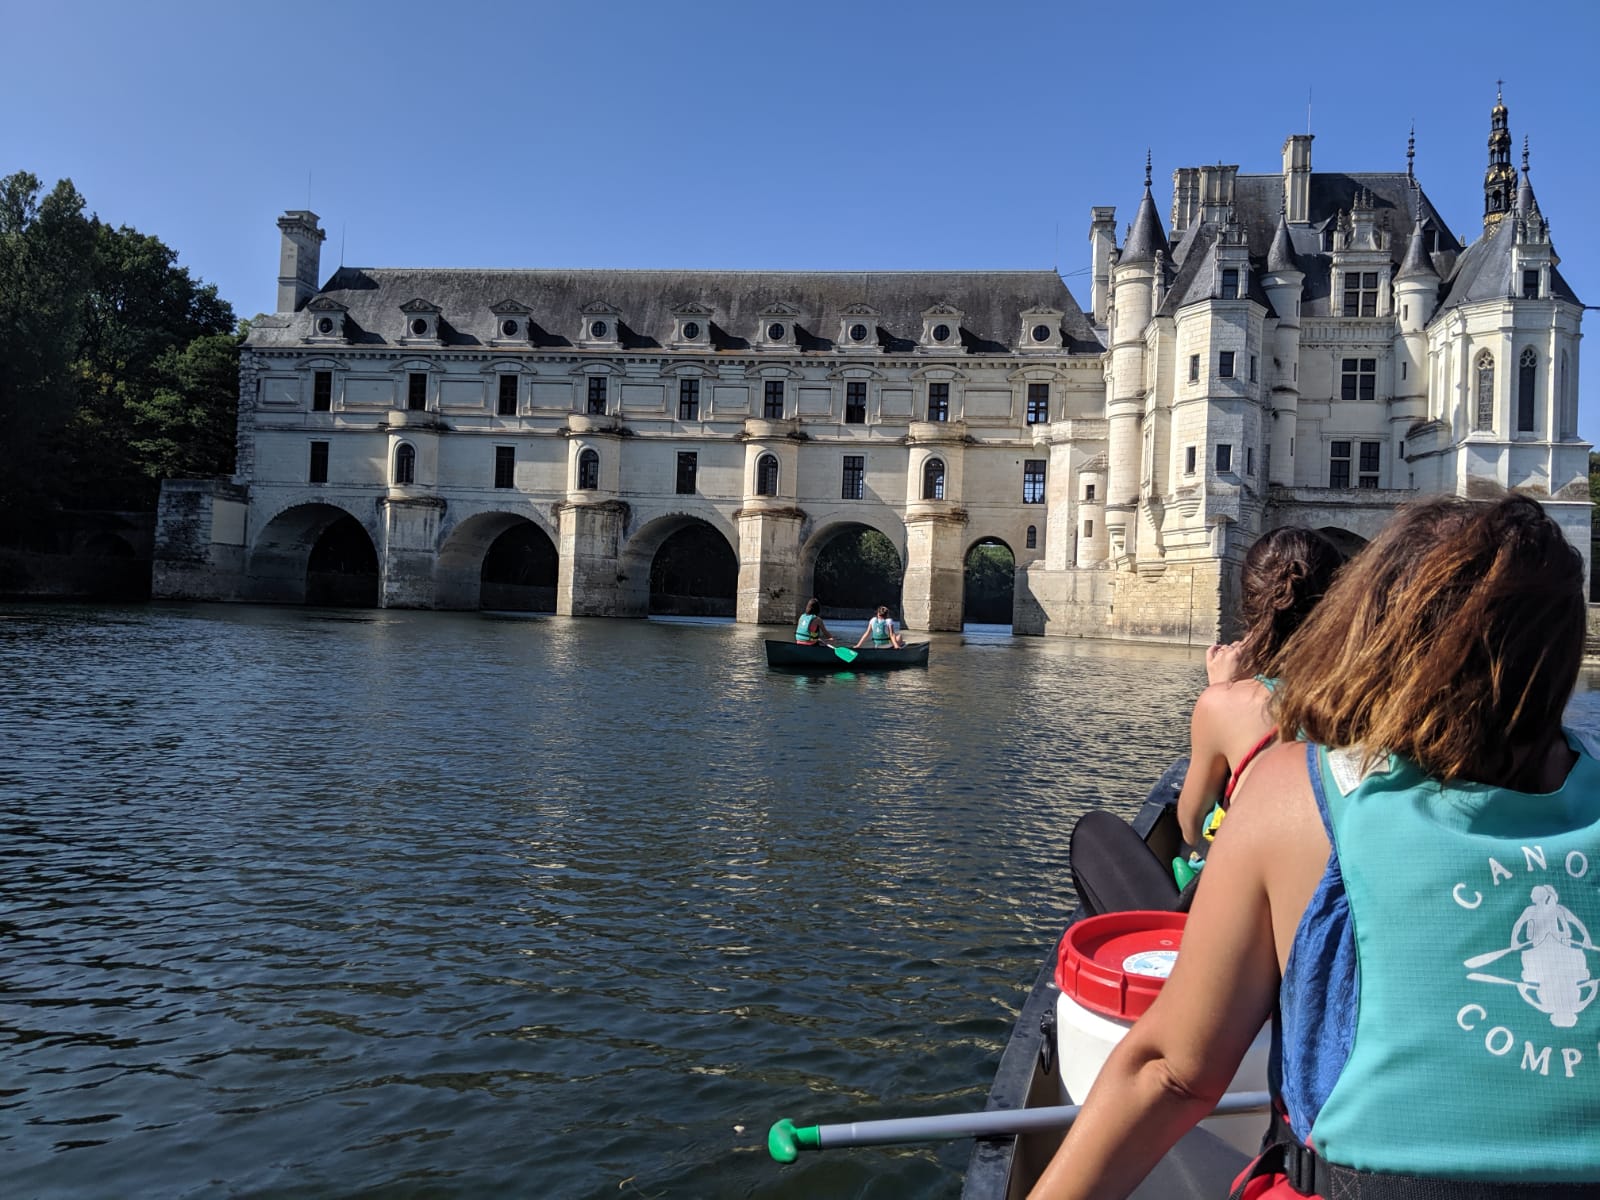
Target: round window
(324, 324)
(508, 328)
(598, 329)
(775, 332)
(858, 333)
(1041, 333)
(418, 327)
(941, 333)
(691, 330)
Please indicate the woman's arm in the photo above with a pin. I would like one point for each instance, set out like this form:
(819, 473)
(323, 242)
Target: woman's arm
(1179, 1058)
(1208, 763)
(863, 639)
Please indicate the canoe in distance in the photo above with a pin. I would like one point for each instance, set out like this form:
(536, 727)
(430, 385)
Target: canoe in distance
(1200, 1167)
(798, 657)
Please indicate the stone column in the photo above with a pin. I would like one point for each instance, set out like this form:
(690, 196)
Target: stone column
(935, 566)
(588, 579)
(410, 529)
(769, 562)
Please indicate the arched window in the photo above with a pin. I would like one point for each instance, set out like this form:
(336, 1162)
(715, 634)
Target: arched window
(405, 464)
(1484, 417)
(588, 470)
(933, 479)
(767, 475)
(1033, 537)
(1527, 370)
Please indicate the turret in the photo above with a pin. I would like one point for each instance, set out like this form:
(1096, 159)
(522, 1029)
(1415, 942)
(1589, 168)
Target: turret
(1282, 282)
(1499, 180)
(299, 259)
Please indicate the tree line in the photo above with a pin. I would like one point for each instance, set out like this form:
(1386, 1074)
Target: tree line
(117, 368)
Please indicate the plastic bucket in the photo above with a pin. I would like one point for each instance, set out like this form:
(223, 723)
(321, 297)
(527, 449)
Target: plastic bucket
(1110, 969)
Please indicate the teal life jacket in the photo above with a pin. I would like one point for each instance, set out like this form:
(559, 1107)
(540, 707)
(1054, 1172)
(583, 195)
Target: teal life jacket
(802, 628)
(879, 629)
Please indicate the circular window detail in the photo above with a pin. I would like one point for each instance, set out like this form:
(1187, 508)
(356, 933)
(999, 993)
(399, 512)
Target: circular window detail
(597, 330)
(691, 330)
(858, 333)
(1041, 333)
(775, 332)
(508, 329)
(941, 333)
(418, 327)
(324, 324)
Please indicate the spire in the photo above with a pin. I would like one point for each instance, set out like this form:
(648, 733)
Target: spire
(1145, 236)
(1418, 262)
(1500, 179)
(1281, 257)
(1411, 151)
(1525, 201)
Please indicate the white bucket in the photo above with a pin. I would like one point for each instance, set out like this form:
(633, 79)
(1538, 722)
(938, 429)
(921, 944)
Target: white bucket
(1115, 964)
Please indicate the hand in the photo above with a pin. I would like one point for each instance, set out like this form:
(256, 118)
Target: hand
(1222, 662)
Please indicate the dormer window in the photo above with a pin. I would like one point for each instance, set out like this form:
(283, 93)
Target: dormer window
(601, 323)
(777, 328)
(1230, 283)
(1360, 293)
(510, 322)
(421, 321)
(327, 320)
(691, 327)
(1040, 329)
(941, 328)
(858, 324)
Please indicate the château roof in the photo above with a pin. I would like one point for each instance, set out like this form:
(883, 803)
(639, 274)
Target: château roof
(991, 304)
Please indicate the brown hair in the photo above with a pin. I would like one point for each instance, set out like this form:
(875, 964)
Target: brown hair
(813, 605)
(1285, 574)
(883, 610)
(1453, 639)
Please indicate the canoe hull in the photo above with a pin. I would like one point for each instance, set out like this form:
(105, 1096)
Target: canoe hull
(796, 657)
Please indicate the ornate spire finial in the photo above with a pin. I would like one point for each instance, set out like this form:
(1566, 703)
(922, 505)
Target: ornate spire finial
(1411, 150)
(1147, 166)
(1498, 85)
(1524, 154)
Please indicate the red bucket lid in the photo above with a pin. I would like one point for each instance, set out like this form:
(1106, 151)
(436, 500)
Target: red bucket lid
(1114, 964)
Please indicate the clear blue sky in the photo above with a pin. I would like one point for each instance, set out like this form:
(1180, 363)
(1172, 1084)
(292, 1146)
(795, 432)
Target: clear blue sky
(831, 134)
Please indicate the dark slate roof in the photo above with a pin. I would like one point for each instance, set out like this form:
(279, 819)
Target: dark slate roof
(992, 304)
(1484, 271)
(1145, 237)
(1418, 262)
(1281, 257)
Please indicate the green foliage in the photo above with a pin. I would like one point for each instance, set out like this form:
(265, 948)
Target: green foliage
(117, 368)
(859, 568)
(989, 584)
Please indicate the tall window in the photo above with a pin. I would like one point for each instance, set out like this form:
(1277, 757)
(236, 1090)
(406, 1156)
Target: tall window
(1038, 403)
(1230, 284)
(322, 391)
(597, 395)
(772, 406)
(507, 405)
(505, 466)
(1358, 379)
(933, 479)
(1194, 368)
(1527, 370)
(1252, 368)
(1484, 417)
(1569, 416)
(1033, 481)
(1088, 493)
(1224, 456)
(853, 484)
(1360, 293)
(1225, 364)
(688, 399)
(688, 466)
(938, 402)
(1032, 539)
(1188, 460)
(767, 475)
(1530, 285)
(417, 391)
(588, 470)
(1371, 456)
(319, 463)
(855, 402)
(405, 464)
(1339, 464)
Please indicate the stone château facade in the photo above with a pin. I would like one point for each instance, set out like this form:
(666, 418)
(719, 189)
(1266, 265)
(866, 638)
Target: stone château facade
(1302, 348)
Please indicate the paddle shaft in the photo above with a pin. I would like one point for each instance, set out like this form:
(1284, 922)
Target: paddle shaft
(991, 1123)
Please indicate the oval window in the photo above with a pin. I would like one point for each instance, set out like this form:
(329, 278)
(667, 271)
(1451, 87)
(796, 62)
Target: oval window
(324, 324)
(418, 327)
(1041, 333)
(775, 332)
(508, 329)
(691, 330)
(858, 333)
(598, 329)
(941, 333)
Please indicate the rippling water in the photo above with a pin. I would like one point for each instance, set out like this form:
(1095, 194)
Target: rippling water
(311, 903)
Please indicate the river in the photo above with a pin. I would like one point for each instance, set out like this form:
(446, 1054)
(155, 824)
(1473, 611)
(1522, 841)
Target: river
(305, 902)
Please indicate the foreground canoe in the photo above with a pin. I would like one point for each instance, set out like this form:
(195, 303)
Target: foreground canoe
(1200, 1167)
(825, 658)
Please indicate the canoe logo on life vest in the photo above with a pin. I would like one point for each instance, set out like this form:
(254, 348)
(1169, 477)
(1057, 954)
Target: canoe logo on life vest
(1553, 948)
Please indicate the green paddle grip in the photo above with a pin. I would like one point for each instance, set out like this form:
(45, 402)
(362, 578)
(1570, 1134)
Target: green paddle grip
(786, 1140)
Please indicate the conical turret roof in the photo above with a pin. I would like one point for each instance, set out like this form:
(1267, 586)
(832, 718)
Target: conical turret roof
(1280, 257)
(1146, 237)
(1418, 263)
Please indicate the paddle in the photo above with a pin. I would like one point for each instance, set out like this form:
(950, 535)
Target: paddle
(786, 1139)
(845, 653)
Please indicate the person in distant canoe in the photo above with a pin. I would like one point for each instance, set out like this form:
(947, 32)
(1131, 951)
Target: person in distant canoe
(809, 629)
(883, 632)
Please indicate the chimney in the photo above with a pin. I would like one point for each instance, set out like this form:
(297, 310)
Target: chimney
(1297, 177)
(1102, 245)
(1185, 199)
(299, 260)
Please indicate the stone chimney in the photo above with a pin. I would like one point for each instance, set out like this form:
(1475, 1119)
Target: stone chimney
(1185, 199)
(299, 260)
(1297, 178)
(1102, 245)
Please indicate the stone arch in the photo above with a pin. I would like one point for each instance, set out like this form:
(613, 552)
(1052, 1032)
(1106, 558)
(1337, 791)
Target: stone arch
(988, 581)
(852, 600)
(281, 552)
(705, 584)
(465, 548)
